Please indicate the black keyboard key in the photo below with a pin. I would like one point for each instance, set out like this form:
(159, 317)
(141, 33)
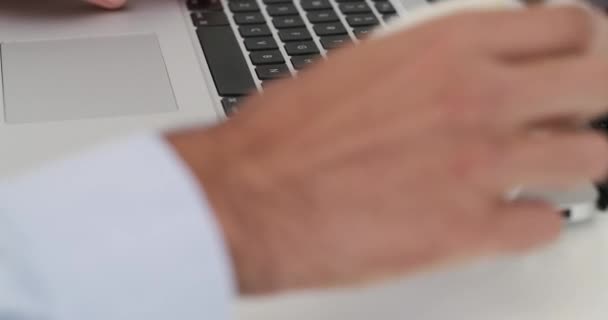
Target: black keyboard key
(266, 57)
(296, 34)
(354, 7)
(288, 22)
(195, 4)
(315, 4)
(385, 7)
(362, 32)
(249, 18)
(361, 20)
(329, 29)
(267, 84)
(272, 72)
(226, 61)
(387, 17)
(322, 16)
(230, 105)
(300, 48)
(256, 44)
(244, 6)
(285, 9)
(602, 201)
(301, 62)
(207, 5)
(277, 1)
(333, 42)
(255, 30)
(210, 18)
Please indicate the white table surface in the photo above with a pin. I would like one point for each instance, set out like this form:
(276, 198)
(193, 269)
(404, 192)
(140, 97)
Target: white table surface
(568, 280)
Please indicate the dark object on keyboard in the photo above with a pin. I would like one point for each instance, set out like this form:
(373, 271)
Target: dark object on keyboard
(334, 42)
(204, 5)
(300, 48)
(266, 57)
(230, 104)
(294, 34)
(228, 67)
(283, 9)
(329, 29)
(385, 7)
(602, 202)
(272, 72)
(288, 22)
(244, 6)
(264, 43)
(322, 16)
(601, 125)
(362, 32)
(301, 62)
(360, 20)
(315, 4)
(254, 30)
(249, 18)
(354, 7)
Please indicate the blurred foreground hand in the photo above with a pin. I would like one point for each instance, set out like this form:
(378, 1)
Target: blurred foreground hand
(394, 156)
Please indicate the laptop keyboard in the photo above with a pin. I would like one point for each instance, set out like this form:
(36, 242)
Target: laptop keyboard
(273, 39)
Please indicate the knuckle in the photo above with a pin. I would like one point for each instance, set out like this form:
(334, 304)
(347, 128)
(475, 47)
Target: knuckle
(577, 21)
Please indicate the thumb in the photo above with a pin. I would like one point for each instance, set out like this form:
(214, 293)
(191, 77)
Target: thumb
(108, 4)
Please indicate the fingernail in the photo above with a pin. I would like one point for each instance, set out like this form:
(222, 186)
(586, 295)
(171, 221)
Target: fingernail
(599, 42)
(108, 4)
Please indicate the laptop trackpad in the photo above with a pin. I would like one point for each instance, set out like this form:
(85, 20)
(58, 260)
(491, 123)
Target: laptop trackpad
(84, 78)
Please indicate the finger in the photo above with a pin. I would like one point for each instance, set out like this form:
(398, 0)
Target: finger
(538, 31)
(521, 226)
(108, 4)
(554, 160)
(530, 32)
(558, 88)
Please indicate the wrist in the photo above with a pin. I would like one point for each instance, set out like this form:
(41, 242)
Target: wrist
(229, 184)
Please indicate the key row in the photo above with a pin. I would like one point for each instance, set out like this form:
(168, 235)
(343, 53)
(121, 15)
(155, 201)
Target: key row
(328, 21)
(287, 7)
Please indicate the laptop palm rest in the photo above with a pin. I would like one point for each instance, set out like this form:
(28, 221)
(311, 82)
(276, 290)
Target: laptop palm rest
(72, 79)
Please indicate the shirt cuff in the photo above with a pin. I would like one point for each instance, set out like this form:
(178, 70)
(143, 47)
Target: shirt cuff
(120, 232)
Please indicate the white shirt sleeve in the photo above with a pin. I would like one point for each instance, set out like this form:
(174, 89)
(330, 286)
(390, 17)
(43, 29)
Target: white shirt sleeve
(121, 232)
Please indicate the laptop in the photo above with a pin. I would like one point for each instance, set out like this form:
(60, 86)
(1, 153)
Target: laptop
(73, 75)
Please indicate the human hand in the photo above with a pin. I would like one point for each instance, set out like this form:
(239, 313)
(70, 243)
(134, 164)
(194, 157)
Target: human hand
(108, 4)
(395, 156)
